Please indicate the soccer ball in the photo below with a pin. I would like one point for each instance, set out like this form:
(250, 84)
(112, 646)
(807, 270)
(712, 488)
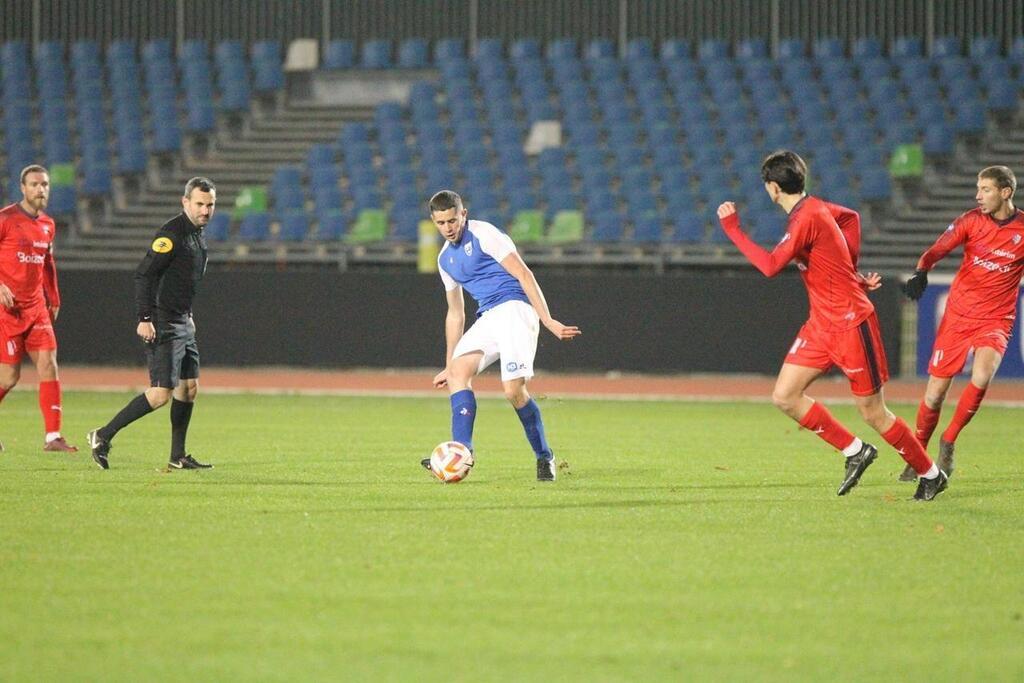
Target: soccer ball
(451, 462)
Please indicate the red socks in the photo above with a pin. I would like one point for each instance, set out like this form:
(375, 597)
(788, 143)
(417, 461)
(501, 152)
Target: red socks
(821, 422)
(906, 444)
(49, 404)
(966, 407)
(927, 418)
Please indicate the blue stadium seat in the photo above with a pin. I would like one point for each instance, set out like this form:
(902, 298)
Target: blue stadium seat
(947, 46)
(562, 49)
(676, 49)
(195, 51)
(792, 48)
(62, 201)
(984, 48)
(607, 228)
(752, 48)
(875, 185)
(339, 54)
(413, 53)
(255, 227)
(327, 198)
(294, 226)
(939, 140)
(229, 51)
(599, 49)
(712, 50)
(376, 54)
(331, 225)
(157, 50)
(866, 48)
(268, 75)
(689, 228)
(448, 49)
(968, 117)
(216, 229)
(907, 46)
(524, 49)
(639, 49)
(490, 49)
(1001, 99)
(648, 229)
(828, 48)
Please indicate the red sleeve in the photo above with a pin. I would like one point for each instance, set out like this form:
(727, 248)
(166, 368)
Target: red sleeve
(769, 263)
(50, 289)
(955, 235)
(849, 225)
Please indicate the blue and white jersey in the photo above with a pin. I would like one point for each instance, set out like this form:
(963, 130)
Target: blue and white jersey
(475, 264)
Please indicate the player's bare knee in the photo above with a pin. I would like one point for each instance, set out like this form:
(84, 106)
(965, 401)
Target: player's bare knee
(158, 397)
(517, 395)
(785, 401)
(9, 376)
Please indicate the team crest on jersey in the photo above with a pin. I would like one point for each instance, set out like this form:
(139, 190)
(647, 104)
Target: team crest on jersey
(468, 248)
(950, 228)
(162, 245)
(1016, 239)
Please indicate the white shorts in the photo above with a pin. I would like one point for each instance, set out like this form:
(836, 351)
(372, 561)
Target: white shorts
(507, 331)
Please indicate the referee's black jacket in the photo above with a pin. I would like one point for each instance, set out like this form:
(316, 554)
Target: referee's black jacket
(166, 279)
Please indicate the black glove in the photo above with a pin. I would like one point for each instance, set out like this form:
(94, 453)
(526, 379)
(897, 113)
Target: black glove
(914, 287)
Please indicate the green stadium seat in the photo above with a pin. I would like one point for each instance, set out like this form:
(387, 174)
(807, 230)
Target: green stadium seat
(250, 199)
(62, 175)
(371, 226)
(526, 227)
(907, 161)
(566, 228)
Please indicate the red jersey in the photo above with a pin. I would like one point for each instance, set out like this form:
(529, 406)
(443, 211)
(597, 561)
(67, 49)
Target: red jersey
(985, 287)
(824, 240)
(26, 257)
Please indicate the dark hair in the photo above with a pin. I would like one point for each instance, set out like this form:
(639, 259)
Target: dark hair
(34, 168)
(204, 185)
(1002, 175)
(785, 168)
(444, 200)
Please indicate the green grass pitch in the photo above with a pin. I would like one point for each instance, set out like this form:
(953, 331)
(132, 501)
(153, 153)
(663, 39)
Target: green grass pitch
(683, 541)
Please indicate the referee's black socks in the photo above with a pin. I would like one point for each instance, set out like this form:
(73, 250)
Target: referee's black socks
(181, 413)
(136, 408)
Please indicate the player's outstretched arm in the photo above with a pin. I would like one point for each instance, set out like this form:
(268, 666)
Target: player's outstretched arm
(769, 263)
(518, 269)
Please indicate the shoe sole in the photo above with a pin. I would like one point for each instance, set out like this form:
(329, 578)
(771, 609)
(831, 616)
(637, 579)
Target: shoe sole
(849, 484)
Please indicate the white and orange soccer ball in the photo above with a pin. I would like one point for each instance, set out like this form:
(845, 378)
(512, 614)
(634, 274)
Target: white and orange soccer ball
(451, 462)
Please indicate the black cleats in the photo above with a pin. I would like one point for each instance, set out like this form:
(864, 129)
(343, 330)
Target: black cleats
(945, 461)
(187, 462)
(425, 462)
(929, 488)
(100, 448)
(908, 474)
(855, 466)
(546, 470)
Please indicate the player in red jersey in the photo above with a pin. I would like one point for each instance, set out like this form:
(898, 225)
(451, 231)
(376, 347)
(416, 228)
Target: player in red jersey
(30, 300)
(842, 330)
(981, 307)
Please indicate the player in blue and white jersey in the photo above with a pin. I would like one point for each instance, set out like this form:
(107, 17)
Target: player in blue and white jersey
(482, 260)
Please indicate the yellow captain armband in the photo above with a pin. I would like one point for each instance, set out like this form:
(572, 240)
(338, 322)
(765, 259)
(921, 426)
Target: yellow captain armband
(162, 245)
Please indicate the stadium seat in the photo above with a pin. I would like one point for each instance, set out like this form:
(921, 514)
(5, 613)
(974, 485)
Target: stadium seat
(946, 46)
(647, 229)
(371, 226)
(828, 48)
(875, 185)
(62, 201)
(331, 225)
(607, 228)
(599, 49)
(216, 229)
(339, 54)
(413, 53)
(376, 54)
(984, 48)
(255, 227)
(866, 48)
(752, 48)
(526, 227)
(294, 226)
(448, 49)
(689, 228)
(907, 46)
(566, 228)
(252, 199)
(675, 49)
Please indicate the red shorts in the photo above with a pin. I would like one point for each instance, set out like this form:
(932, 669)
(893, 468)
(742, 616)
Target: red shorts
(858, 352)
(958, 336)
(25, 330)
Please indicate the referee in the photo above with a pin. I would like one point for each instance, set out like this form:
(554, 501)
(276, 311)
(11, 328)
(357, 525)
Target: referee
(165, 284)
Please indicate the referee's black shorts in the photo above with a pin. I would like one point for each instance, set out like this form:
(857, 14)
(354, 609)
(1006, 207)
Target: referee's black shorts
(174, 355)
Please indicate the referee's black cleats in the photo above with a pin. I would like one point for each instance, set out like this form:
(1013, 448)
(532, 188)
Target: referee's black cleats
(187, 462)
(855, 466)
(546, 469)
(927, 489)
(100, 448)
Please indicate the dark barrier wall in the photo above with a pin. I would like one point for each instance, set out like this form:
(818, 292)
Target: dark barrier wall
(285, 20)
(689, 323)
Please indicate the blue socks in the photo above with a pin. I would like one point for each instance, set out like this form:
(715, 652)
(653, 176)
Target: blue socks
(533, 425)
(463, 414)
